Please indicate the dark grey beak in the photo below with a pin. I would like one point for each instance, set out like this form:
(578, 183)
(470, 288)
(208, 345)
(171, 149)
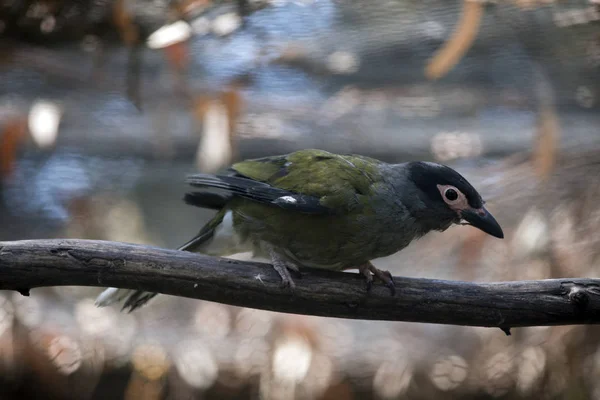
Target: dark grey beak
(482, 219)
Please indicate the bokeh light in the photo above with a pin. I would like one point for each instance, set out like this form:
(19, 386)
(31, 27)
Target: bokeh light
(106, 106)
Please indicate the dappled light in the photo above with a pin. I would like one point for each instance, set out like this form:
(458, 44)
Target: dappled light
(106, 106)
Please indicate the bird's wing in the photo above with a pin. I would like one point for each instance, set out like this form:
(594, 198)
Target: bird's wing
(309, 181)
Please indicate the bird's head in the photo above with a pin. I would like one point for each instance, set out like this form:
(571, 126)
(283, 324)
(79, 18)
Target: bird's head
(449, 198)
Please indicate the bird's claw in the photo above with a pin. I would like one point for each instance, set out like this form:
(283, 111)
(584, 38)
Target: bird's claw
(390, 282)
(287, 283)
(368, 270)
(369, 285)
(295, 271)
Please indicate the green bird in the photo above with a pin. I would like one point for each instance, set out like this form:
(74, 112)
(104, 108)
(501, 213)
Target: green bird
(319, 209)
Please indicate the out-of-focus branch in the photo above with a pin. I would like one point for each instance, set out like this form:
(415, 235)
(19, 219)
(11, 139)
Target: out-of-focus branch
(36, 263)
(462, 38)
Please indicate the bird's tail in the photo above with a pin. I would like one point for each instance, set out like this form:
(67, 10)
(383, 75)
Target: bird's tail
(132, 298)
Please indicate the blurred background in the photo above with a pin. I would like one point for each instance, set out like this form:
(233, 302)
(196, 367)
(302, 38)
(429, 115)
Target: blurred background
(106, 105)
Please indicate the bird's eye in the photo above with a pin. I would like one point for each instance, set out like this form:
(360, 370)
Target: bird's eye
(453, 197)
(451, 194)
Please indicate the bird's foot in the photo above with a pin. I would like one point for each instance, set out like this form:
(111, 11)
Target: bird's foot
(368, 270)
(286, 278)
(293, 268)
(283, 267)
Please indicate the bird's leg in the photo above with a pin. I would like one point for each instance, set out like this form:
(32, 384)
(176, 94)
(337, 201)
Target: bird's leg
(368, 270)
(364, 271)
(281, 265)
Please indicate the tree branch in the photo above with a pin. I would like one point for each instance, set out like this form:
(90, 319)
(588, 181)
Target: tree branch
(35, 263)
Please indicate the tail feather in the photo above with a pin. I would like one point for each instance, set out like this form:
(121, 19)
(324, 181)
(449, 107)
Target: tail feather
(110, 296)
(213, 201)
(135, 299)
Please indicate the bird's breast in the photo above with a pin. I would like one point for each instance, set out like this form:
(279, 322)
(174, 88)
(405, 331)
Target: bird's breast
(333, 242)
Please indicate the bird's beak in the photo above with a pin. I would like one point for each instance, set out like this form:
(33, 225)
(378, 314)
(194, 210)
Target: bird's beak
(481, 218)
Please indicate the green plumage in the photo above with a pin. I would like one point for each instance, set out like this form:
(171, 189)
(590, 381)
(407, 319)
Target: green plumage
(339, 181)
(352, 186)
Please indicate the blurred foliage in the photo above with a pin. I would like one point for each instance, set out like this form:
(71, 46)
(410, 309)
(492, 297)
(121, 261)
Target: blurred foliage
(105, 105)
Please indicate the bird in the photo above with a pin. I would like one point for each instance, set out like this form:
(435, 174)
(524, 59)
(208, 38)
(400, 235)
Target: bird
(314, 208)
